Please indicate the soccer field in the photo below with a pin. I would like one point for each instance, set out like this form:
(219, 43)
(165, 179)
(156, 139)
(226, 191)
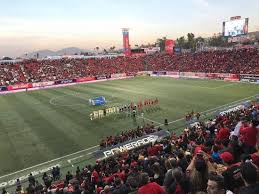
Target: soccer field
(39, 126)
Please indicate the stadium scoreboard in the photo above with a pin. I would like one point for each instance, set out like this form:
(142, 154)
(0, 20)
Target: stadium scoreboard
(235, 27)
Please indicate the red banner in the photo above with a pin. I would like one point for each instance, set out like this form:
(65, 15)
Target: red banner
(84, 79)
(19, 86)
(169, 46)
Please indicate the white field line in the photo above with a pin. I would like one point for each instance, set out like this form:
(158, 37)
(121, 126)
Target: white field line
(213, 88)
(213, 110)
(49, 161)
(149, 120)
(227, 85)
(67, 94)
(69, 161)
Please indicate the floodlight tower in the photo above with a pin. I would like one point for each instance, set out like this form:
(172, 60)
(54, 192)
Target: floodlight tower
(126, 45)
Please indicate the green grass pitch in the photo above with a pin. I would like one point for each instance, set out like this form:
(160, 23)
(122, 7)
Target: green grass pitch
(39, 126)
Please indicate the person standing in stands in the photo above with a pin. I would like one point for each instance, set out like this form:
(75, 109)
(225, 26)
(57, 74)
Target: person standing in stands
(255, 155)
(232, 175)
(215, 184)
(120, 188)
(31, 179)
(69, 176)
(4, 191)
(223, 133)
(133, 184)
(249, 137)
(38, 187)
(249, 176)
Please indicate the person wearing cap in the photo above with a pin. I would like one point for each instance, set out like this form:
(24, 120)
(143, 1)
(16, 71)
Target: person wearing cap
(232, 175)
(223, 133)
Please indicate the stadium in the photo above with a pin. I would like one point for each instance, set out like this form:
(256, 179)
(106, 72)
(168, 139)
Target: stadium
(154, 119)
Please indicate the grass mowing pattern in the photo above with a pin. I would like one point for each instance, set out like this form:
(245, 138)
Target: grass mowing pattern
(42, 125)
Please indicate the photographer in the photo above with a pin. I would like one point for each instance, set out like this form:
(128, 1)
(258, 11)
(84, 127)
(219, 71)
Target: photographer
(198, 172)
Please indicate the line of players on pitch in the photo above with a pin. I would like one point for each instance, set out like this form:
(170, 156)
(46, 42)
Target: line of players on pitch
(131, 108)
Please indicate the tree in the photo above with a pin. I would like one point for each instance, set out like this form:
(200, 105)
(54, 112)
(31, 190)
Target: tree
(217, 41)
(112, 48)
(191, 41)
(105, 51)
(180, 42)
(161, 43)
(199, 39)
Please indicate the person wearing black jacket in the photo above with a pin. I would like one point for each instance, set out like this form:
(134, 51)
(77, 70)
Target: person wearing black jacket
(120, 188)
(249, 175)
(180, 183)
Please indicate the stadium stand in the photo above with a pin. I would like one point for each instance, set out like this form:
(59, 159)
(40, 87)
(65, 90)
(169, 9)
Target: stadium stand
(218, 156)
(239, 61)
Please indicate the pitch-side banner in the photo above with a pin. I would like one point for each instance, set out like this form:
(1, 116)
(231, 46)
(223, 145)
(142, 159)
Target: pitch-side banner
(118, 75)
(84, 79)
(169, 46)
(3, 88)
(232, 109)
(19, 86)
(42, 84)
(131, 145)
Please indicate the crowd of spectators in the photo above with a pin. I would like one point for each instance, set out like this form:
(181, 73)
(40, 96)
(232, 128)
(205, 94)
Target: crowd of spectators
(10, 74)
(219, 156)
(127, 135)
(241, 61)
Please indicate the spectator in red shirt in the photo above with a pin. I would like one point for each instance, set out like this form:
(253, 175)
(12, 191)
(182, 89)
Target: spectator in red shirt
(223, 133)
(250, 137)
(94, 176)
(152, 151)
(149, 187)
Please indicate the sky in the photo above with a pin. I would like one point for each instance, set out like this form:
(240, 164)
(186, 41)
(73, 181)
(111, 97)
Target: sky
(31, 25)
